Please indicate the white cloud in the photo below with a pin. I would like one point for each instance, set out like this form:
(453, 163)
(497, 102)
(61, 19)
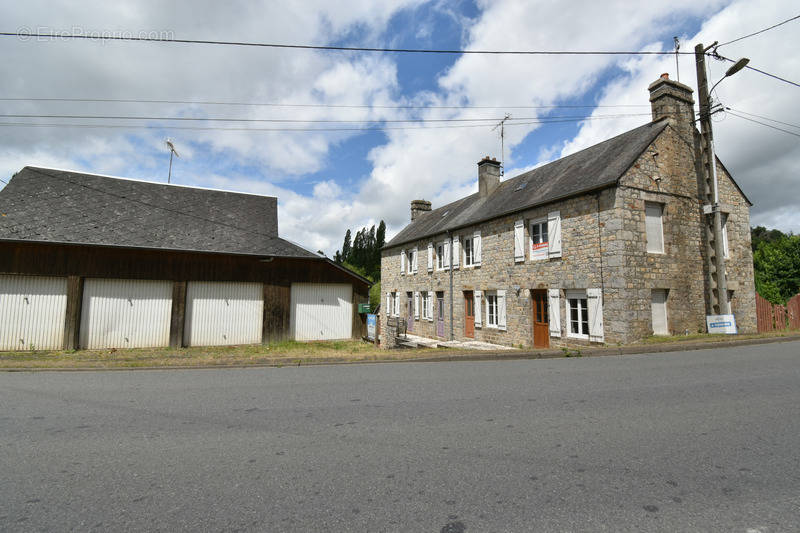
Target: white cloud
(435, 164)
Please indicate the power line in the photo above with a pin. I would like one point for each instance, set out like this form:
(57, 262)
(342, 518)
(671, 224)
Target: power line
(762, 117)
(342, 106)
(26, 35)
(718, 56)
(764, 124)
(374, 128)
(280, 120)
(760, 31)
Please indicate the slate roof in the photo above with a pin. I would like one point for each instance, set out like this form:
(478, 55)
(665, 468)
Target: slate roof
(58, 206)
(590, 169)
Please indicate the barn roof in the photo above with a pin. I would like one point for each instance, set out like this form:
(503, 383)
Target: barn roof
(60, 206)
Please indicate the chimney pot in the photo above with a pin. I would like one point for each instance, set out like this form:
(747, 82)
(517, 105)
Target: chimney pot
(488, 176)
(673, 100)
(418, 207)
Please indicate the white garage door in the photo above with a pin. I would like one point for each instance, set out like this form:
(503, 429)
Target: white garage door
(221, 313)
(124, 313)
(32, 312)
(322, 311)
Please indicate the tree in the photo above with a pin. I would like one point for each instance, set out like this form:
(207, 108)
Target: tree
(776, 264)
(346, 247)
(362, 253)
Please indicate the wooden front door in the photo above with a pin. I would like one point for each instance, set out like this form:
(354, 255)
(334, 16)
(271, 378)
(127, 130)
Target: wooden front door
(469, 314)
(440, 314)
(541, 323)
(410, 311)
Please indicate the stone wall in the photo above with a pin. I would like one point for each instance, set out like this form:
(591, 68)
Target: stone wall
(604, 246)
(739, 264)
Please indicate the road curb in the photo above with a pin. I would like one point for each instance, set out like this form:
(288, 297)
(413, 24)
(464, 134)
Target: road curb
(457, 356)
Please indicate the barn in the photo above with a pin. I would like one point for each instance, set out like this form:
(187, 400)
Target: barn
(90, 261)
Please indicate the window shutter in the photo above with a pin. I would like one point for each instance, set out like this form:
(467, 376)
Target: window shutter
(446, 258)
(402, 262)
(554, 234)
(414, 260)
(430, 257)
(388, 304)
(519, 245)
(396, 304)
(456, 252)
(476, 244)
(554, 311)
(416, 305)
(478, 303)
(430, 306)
(595, 302)
(501, 310)
(653, 227)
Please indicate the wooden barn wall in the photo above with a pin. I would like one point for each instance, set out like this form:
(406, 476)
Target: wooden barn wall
(80, 262)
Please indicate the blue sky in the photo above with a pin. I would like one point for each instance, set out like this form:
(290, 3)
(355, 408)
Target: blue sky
(327, 181)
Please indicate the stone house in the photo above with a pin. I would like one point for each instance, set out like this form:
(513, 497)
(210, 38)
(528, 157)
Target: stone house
(607, 245)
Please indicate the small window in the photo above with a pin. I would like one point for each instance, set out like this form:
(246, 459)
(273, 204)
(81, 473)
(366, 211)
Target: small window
(412, 261)
(539, 239)
(426, 305)
(577, 314)
(654, 227)
(491, 309)
(443, 255)
(395, 302)
(469, 252)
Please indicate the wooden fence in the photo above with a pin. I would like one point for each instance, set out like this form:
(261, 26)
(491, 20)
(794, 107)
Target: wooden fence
(772, 317)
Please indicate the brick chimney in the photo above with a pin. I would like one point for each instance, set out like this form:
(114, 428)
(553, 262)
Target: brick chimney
(418, 207)
(673, 100)
(488, 176)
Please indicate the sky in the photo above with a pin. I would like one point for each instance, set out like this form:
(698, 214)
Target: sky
(369, 167)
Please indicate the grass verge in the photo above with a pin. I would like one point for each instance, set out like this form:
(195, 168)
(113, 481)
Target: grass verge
(283, 353)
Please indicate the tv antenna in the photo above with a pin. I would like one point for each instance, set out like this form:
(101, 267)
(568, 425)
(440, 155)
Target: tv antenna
(171, 151)
(502, 125)
(677, 47)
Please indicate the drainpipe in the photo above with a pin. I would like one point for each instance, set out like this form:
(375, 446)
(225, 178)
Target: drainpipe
(450, 237)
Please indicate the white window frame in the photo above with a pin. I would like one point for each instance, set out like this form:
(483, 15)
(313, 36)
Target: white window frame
(660, 227)
(469, 243)
(492, 320)
(443, 258)
(541, 251)
(395, 304)
(426, 305)
(583, 305)
(412, 261)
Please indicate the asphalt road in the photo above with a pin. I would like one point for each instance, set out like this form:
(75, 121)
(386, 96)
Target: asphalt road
(703, 440)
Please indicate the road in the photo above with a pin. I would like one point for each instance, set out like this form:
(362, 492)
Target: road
(703, 440)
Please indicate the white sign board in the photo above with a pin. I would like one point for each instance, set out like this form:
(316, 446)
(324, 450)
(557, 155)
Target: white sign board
(721, 324)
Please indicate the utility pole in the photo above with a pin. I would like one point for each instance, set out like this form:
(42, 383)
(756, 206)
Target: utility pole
(718, 303)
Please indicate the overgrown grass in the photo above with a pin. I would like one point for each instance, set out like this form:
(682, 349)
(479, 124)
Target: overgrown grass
(282, 353)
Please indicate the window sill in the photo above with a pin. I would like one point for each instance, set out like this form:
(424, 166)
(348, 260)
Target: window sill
(656, 253)
(577, 336)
